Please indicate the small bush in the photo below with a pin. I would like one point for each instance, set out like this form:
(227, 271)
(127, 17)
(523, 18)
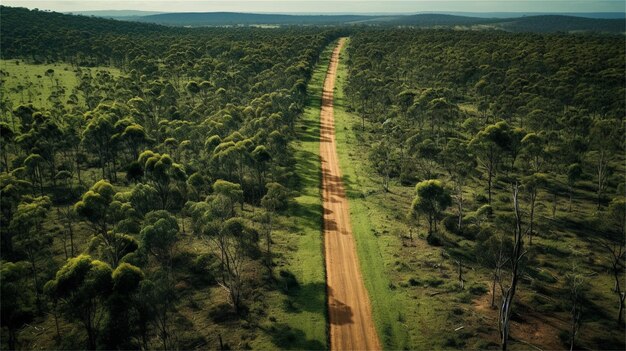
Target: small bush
(451, 223)
(504, 199)
(564, 337)
(478, 289)
(454, 342)
(414, 282)
(481, 199)
(221, 313)
(433, 282)
(288, 282)
(433, 240)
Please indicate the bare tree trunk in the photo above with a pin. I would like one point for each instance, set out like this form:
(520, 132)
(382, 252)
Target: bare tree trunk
(461, 281)
(571, 195)
(533, 198)
(509, 293)
(493, 289)
(575, 325)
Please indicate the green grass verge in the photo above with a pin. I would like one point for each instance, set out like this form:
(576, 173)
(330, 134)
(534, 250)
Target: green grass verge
(406, 316)
(387, 305)
(298, 319)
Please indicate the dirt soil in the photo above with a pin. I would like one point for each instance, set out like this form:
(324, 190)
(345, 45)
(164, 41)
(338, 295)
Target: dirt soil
(349, 310)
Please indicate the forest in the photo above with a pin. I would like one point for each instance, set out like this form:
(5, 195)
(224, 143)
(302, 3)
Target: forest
(161, 187)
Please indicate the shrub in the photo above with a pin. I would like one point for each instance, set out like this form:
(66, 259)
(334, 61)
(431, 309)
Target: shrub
(433, 282)
(454, 342)
(288, 282)
(451, 223)
(481, 199)
(478, 289)
(434, 240)
(414, 282)
(221, 313)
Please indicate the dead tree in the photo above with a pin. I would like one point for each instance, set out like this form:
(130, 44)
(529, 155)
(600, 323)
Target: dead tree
(508, 293)
(616, 252)
(576, 284)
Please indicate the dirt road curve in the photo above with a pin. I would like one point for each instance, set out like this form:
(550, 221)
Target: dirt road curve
(349, 310)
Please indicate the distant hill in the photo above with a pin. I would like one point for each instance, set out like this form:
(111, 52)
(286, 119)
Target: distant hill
(539, 23)
(552, 23)
(233, 18)
(435, 19)
(607, 15)
(114, 13)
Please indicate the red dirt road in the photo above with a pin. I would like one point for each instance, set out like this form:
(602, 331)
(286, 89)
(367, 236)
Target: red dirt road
(349, 310)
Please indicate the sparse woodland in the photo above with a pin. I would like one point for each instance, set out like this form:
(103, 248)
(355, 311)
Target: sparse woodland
(127, 187)
(516, 144)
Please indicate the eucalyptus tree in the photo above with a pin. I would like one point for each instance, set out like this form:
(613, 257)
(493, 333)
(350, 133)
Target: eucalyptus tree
(614, 245)
(574, 173)
(604, 137)
(489, 146)
(17, 300)
(12, 189)
(431, 199)
(158, 238)
(119, 330)
(99, 207)
(460, 166)
(7, 137)
(162, 173)
(508, 291)
(532, 184)
(276, 199)
(96, 138)
(30, 238)
(83, 285)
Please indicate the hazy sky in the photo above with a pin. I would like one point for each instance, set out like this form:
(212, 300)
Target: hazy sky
(328, 6)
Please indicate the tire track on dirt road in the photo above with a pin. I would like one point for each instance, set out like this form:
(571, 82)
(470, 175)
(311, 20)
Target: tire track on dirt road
(349, 310)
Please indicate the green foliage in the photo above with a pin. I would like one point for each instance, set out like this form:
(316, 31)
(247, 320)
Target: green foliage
(17, 299)
(95, 204)
(83, 285)
(159, 233)
(126, 278)
(276, 198)
(144, 198)
(431, 199)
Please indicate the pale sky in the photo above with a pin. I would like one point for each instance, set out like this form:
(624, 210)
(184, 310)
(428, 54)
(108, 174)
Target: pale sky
(342, 6)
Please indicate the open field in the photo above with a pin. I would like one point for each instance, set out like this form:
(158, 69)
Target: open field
(44, 85)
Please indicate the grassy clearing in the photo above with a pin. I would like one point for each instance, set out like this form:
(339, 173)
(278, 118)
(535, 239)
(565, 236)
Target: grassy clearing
(25, 83)
(297, 320)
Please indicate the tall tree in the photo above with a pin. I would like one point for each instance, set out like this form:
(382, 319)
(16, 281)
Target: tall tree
(431, 199)
(83, 286)
(508, 292)
(30, 237)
